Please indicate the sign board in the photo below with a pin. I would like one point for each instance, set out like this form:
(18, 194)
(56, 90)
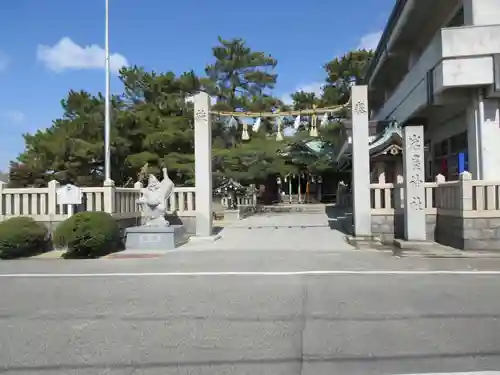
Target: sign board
(69, 194)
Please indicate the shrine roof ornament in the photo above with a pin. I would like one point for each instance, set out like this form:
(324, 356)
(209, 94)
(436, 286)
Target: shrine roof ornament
(391, 135)
(392, 130)
(230, 185)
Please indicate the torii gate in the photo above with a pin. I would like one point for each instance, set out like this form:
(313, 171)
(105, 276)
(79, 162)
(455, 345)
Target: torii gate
(203, 160)
(413, 166)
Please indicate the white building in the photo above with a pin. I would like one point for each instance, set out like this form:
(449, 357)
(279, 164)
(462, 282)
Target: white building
(438, 64)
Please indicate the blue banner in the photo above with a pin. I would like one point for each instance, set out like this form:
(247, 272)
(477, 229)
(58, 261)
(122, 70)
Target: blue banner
(463, 162)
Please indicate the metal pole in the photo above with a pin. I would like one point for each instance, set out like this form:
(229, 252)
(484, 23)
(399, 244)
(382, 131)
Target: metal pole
(107, 109)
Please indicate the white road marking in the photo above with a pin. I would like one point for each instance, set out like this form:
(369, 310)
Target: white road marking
(459, 373)
(289, 273)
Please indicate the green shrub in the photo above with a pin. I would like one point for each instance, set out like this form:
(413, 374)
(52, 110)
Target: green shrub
(88, 235)
(22, 237)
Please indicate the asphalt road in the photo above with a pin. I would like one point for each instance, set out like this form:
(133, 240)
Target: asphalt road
(133, 317)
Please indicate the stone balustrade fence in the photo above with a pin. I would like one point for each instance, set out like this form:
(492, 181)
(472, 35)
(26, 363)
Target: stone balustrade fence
(41, 203)
(465, 197)
(240, 201)
(464, 214)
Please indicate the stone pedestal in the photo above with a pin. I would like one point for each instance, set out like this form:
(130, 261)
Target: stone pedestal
(147, 239)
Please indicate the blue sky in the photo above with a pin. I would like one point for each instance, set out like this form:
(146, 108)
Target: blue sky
(49, 47)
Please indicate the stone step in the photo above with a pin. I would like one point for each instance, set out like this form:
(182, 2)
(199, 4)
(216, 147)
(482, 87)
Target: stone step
(283, 207)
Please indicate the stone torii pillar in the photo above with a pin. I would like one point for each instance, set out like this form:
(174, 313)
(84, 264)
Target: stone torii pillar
(360, 162)
(203, 167)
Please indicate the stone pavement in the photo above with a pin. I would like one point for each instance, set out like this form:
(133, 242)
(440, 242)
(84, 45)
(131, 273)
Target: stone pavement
(279, 231)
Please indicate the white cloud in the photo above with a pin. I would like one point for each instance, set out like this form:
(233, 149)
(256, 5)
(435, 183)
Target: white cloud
(67, 55)
(370, 41)
(4, 61)
(315, 87)
(14, 117)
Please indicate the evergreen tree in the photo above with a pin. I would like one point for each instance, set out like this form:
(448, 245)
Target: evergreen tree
(342, 73)
(239, 75)
(241, 80)
(152, 122)
(159, 122)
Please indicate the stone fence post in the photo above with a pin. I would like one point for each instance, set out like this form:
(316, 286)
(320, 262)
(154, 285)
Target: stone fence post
(109, 196)
(440, 179)
(465, 194)
(399, 197)
(438, 194)
(52, 197)
(138, 185)
(3, 185)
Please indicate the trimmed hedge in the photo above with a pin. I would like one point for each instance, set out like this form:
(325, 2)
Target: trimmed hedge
(88, 235)
(22, 237)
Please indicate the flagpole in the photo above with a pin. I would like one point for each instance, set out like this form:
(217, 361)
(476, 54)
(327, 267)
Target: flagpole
(107, 108)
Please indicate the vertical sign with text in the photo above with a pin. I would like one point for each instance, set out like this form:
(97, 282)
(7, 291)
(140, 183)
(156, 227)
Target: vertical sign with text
(414, 177)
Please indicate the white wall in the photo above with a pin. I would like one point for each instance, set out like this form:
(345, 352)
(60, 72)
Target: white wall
(411, 94)
(458, 57)
(484, 138)
(471, 71)
(490, 141)
(481, 12)
(465, 41)
(490, 134)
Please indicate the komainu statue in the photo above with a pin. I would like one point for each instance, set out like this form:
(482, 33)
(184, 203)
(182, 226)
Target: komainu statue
(154, 200)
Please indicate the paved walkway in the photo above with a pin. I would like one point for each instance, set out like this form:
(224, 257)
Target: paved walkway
(280, 231)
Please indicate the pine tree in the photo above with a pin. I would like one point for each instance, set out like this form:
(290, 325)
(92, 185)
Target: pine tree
(241, 80)
(152, 122)
(342, 73)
